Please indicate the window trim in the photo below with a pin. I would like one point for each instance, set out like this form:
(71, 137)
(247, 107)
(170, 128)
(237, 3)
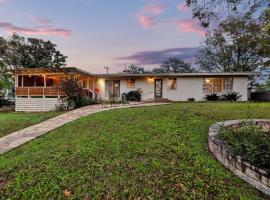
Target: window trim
(128, 86)
(168, 87)
(222, 85)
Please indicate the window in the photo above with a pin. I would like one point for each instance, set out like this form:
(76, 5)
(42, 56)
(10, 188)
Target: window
(39, 81)
(131, 83)
(228, 84)
(217, 85)
(52, 81)
(171, 85)
(20, 81)
(49, 82)
(31, 81)
(28, 81)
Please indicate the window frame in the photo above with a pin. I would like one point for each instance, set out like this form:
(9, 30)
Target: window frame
(169, 86)
(213, 84)
(128, 83)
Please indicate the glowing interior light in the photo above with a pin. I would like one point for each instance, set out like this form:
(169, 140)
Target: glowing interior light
(207, 80)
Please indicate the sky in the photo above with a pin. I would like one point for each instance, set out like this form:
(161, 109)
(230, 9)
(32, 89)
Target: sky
(112, 33)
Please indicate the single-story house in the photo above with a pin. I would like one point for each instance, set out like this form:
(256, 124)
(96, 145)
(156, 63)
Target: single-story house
(39, 89)
(174, 86)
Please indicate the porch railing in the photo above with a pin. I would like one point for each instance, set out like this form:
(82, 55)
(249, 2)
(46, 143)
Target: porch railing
(44, 92)
(39, 92)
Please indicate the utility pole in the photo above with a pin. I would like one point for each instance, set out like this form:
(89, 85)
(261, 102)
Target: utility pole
(107, 69)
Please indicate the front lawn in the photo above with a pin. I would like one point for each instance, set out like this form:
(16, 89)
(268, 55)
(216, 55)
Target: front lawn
(12, 121)
(134, 153)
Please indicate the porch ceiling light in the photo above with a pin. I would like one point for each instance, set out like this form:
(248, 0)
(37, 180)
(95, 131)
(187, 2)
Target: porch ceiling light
(207, 80)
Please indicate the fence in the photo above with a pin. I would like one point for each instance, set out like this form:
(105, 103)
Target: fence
(260, 96)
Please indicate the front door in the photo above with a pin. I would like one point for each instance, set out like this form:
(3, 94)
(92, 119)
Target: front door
(112, 88)
(158, 88)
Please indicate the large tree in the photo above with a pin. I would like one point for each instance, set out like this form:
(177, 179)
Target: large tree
(237, 45)
(19, 52)
(208, 11)
(265, 42)
(174, 65)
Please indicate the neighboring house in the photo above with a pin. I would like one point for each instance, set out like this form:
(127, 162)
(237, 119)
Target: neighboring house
(38, 89)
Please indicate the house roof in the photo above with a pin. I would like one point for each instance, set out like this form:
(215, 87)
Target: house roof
(74, 70)
(178, 74)
(65, 70)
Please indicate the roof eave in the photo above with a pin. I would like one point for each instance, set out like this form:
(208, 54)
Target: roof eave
(179, 74)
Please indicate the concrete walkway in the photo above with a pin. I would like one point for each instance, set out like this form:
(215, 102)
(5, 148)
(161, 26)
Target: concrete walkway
(20, 137)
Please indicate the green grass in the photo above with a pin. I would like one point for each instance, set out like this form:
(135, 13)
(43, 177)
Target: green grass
(12, 121)
(155, 152)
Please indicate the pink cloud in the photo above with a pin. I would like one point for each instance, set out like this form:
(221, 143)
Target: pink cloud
(155, 9)
(9, 27)
(190, 25)
(148, 13)
(182, 7)
(147, 21)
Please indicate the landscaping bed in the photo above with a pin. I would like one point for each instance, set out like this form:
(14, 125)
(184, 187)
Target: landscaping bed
(250, 141)
(242, 146)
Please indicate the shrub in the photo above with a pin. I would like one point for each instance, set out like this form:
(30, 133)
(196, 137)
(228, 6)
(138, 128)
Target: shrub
(113, 99)
(84, 102)
(73, 91)
(231, 96)
(192, 99)
(250, 142)
(212, 97)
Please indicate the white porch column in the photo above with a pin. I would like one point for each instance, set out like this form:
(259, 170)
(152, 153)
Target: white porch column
(16, 80)
(44, 79)
(93, 88)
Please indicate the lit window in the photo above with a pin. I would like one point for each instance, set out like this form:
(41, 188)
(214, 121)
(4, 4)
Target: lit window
(216, 85)
(131, 83)
(172, 83)
(227, 84)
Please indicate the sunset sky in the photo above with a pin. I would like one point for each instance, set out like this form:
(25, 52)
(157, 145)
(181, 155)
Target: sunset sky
(98, 33)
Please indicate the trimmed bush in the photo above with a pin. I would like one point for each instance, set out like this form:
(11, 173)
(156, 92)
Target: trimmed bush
(192, 99)
(212, 97)
(231, 96)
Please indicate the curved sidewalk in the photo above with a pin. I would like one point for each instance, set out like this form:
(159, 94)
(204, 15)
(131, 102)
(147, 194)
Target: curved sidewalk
(20, 137)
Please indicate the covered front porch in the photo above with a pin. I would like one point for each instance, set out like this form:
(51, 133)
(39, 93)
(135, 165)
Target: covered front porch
(39, 89)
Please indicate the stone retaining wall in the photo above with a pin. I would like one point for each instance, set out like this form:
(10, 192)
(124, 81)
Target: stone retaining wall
(251, 174)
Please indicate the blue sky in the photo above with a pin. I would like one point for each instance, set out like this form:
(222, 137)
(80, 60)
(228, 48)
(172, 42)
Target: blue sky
(98, 33)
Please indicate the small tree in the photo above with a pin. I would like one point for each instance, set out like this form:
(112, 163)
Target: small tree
(73, 90)
(174, 65)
